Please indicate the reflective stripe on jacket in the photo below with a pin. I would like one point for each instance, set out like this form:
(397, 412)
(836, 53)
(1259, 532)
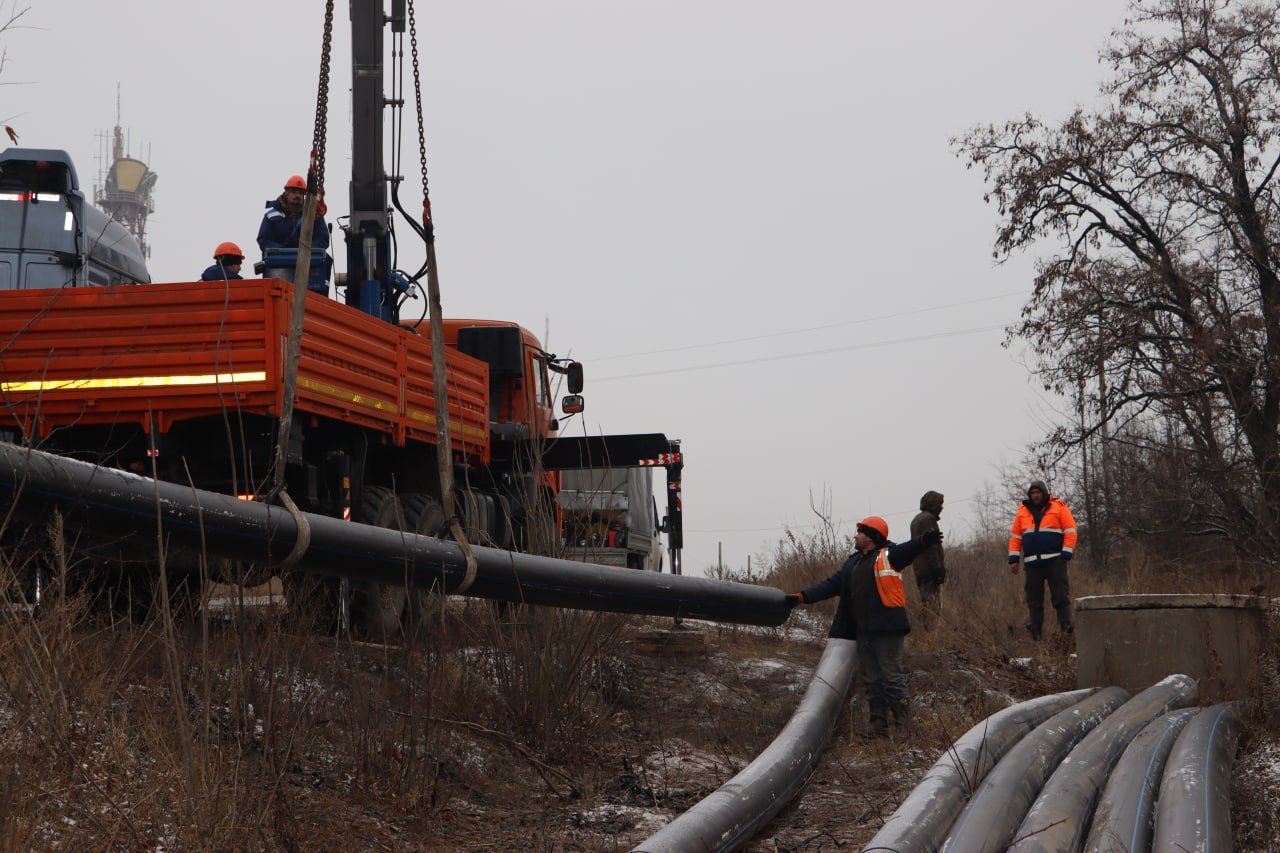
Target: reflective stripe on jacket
(866, 583)
(1050, 535)
(889, 582)
(281, 230)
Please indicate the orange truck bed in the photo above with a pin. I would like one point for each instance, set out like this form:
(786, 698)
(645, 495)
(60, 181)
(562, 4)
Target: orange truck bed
(174, 352)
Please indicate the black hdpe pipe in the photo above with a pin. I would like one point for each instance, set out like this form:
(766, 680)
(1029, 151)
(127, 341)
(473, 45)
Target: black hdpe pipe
(729, 817)
(1193, 811)
(1125, 814)
(1059, 818)
(991, 819)
(34, 485)
(920, 824)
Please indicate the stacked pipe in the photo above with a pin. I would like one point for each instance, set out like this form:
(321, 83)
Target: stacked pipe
(922, 821)
(1148, 774)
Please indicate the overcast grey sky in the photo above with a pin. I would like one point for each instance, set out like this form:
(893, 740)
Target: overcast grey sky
(745, 218)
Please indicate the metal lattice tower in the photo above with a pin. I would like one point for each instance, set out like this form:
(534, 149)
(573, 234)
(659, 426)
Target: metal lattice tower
(125, 192)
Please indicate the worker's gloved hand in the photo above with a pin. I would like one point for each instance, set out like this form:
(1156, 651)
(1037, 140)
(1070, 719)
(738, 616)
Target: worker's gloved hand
(930, 538)
(1066, 556)
(794, 598)
(1015, 567)
(321, 208)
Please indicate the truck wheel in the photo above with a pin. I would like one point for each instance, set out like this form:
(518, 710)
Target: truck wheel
(378, 608)
(503, 529)
(471, 513)
(488, 512)
(425, 517)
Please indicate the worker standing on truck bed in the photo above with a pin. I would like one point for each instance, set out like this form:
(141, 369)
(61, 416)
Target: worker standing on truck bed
(1042, 539)
(281, 228)
(227, 259)
(873, 611)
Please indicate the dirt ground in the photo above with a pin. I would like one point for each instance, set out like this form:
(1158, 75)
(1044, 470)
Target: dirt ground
(588, 736)
(696, 713)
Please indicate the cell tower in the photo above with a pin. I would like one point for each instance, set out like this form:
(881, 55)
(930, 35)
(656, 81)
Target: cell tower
(125, 191)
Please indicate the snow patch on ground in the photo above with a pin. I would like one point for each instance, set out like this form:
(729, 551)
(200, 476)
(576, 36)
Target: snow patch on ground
(612, 819)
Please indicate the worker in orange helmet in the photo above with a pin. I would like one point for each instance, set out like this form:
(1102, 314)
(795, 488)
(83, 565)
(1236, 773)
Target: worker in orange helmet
(873, 611)
(281, 223)
(227, 259)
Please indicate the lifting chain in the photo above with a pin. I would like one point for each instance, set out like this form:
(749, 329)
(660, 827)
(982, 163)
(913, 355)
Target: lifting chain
(302, 272)
(316, 175)
(422, 136)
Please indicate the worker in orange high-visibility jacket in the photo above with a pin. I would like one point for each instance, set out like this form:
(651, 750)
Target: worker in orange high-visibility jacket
(1043, 540)
(873, 611)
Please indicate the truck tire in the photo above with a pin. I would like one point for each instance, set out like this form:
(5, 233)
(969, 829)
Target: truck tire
(378, 609)
(503, 529)
(485, 534)
(425, 517)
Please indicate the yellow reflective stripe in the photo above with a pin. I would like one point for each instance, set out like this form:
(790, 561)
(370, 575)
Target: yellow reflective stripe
(134, 382)
(382, 405)
(430, 420)
(347, 396)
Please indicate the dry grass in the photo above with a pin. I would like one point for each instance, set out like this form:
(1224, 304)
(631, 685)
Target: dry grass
(186, 732)
(525, 728)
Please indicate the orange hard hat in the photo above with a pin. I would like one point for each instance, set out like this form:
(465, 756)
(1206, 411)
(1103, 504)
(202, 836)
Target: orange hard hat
(297, 182)
(227, 249)
(876, 523)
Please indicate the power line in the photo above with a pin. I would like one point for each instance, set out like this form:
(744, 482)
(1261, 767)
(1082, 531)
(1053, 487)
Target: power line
(785, 356)
(858, 322)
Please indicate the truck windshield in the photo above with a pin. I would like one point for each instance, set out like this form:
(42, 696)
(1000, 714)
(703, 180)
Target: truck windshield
(37, 221)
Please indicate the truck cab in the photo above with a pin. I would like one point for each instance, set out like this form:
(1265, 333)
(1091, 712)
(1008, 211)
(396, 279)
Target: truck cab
(50, 236)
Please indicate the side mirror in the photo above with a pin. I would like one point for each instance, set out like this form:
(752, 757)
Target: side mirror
(573, 377)
(573, 404)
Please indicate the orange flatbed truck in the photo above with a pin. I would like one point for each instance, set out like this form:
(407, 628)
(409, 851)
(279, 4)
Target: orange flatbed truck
(188, 377)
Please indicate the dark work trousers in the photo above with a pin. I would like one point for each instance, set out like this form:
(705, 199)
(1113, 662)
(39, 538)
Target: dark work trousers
(930, 598)
(880, 663)
(1054, 573)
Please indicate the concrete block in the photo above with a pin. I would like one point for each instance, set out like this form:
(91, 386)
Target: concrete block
(1133, 641)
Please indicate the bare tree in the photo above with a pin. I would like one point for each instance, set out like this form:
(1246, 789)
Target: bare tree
(1159, 312)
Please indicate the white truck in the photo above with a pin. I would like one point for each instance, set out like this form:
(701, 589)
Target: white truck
(610, 517)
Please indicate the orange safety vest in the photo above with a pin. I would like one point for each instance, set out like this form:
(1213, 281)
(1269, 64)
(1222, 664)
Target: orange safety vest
(889, 582)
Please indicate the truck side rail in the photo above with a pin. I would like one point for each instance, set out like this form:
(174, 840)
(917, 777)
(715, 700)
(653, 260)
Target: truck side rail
(173, 352)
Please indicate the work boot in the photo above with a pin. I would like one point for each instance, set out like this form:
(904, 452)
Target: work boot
(902, 716)
(1034, 631)
(878, 721)
(1067, 628)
